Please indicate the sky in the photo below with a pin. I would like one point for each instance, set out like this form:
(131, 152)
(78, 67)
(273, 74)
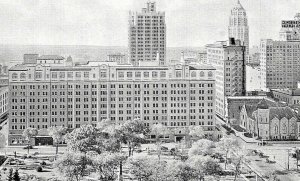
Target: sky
(190, 23)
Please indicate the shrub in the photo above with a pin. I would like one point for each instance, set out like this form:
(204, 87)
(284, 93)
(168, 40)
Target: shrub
(39, 169)
(43, 163)
(248, 135)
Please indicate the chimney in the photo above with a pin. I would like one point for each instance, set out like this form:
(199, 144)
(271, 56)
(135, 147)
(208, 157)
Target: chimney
(231, 41)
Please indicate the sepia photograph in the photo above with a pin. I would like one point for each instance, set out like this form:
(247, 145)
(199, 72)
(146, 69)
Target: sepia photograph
(149, 90)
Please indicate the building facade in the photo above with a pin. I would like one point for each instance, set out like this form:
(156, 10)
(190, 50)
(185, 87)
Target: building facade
(147, 35)
(288, 96)
(270, 122)
(238, 26)
(44, 95)
(118, 57)
(229, 61)
(280, 60)
(3, 103)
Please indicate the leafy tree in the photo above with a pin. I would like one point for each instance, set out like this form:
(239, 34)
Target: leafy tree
(10, 175)
(202, 147)
(16, 176)
(146, 168)
(180, 171)
(88, 138)
(228, 145)
(132, 133)
(57, 134)
(29, 133)
(159, 130)
(106, 164)
(73, 165)
(196, 131)
(204, 165)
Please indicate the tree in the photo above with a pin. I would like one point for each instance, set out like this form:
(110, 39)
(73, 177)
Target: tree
(202, 147)
(132, 133)
(146, 168)
(237, 161)
(16, 176)
(196, 131)
(29, 133)
(10, 175)
(88, 138)
(106, 164)
(180, 171)
(228, 145)
(204, 165)
(159, 130)
(57, 134)
(73, 165)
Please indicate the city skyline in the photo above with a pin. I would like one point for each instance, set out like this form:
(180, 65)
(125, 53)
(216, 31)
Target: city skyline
(190, 23)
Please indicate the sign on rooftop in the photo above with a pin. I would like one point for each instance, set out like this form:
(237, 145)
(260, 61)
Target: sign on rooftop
(290, 23)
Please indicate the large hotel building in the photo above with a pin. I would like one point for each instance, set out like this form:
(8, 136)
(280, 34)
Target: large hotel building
(147, 35)
(280, 59)
(50, 91)
(229, 60)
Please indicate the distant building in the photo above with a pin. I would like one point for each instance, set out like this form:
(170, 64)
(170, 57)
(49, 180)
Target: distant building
(270, 122)
(253, 78)
(289, 96)
(238, 26)
(147, 35)
(280, 60)
(229, 60)
(3, 103)
(45, 94)
(119, 58)
(203, 57)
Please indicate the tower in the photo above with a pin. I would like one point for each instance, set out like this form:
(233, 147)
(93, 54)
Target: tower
(147, 35)
(238, 26)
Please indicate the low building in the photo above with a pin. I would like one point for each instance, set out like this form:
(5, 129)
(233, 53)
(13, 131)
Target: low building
(3, 103)
(289, 96)
(234, 104)
(118, 57)
(270, 122)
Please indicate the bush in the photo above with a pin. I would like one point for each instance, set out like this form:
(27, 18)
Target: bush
(248, 135)
(43, 163)
(39, 169)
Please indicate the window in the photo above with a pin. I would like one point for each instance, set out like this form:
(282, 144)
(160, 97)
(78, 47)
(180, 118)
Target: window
(86, 74)
(103, 74)
(154, 74)
(201, 74)
(54, 75)
(14, 75)
(129, 74)
(163, 74)
(22, 76)
(210, 74)
(78, 74)
(121, 74)
(138, 74)
(146, 74)
(61, 75)
(193, 74)
(38, 75)
(70, 74)
(178, 74)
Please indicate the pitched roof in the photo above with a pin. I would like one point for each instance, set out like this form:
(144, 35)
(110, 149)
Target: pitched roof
(281, 112)
(51, 57)
(263, 104)
(250, 109)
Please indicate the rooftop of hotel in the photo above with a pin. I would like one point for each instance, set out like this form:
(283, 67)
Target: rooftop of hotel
(50, 57)
(292, 92)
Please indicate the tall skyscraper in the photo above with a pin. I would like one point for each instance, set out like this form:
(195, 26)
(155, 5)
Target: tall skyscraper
(147, 35)
(229, 60)
(238, 26)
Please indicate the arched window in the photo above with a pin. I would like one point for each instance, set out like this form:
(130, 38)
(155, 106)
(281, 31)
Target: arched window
(193, 74)
(276, 129)
(284, 129)
(14, 76)
(210, 74)
(201, 74)
(22, 76)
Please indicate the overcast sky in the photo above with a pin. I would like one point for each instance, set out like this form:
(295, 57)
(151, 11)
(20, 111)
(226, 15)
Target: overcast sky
(104, 22)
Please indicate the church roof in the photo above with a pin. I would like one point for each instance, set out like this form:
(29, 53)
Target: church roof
(263, 104)
(281, 112)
